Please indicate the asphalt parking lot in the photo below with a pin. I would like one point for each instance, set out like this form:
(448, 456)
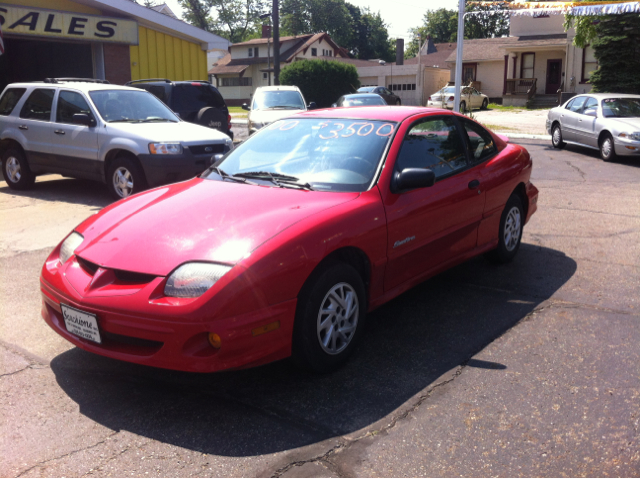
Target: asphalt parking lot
(528, 369)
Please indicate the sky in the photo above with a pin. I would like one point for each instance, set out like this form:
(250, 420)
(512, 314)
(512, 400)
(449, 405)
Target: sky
(400, 15)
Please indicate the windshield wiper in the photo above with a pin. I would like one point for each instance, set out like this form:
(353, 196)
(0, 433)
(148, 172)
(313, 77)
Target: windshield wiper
(224, 175)
(149, 120)
(278, 179)
(123, 120)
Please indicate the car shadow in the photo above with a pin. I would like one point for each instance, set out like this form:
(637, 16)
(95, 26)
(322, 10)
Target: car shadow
(410, 342)
(58, 188)
(595, 154)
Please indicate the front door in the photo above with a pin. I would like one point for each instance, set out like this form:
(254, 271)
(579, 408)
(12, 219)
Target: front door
(554, 76)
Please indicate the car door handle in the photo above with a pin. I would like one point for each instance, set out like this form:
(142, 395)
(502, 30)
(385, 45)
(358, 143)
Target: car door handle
(59, 132)
(23, 127)
(474, 184)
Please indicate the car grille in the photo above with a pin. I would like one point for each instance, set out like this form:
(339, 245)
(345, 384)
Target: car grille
(202, 149)
(122, 276)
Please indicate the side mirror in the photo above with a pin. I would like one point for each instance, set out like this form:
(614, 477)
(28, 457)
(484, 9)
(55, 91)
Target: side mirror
(592, 113)
(83, 119)
(312, 105)
(245, 107)
(216, 158)
(411, 178)
(333, 105)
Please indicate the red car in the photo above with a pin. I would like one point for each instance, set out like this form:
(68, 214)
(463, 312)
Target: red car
(283, 245)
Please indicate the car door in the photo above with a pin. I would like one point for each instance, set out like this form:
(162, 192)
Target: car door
(75, 146)
(35, 123)
(586, 124)
(569, 118)
(476, 98)
(429, 227)
(382, 92)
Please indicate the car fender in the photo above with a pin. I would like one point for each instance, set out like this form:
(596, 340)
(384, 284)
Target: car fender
(119, 143)
(16, 135)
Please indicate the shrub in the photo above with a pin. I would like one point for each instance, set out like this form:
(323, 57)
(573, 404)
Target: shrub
(322, 81)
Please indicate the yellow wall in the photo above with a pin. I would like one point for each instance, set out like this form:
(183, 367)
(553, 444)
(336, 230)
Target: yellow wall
(159, 55)
(66, 5)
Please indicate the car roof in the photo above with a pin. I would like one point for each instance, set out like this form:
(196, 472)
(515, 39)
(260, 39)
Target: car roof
(76, 85)
(608, 95)
(388, 113)
(362, 95)
(277, 88)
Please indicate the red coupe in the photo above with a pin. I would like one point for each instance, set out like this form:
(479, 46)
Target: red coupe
(282, 246)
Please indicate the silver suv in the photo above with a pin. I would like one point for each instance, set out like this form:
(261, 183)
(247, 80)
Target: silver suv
(122, 136)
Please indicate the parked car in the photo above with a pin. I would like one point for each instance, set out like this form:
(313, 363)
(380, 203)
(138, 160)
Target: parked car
(470, 98)
(122, 136)
(194, 101)
(390, 97)
(270, 103)
(609, 122)
(359, 99)
(282, 246)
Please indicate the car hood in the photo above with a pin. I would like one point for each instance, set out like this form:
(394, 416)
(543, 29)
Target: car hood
(630, 124)
(182, 131)
(269, 116)
(198, 220)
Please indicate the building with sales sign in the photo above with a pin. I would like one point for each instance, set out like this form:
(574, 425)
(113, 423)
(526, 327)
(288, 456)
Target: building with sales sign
(116, 40)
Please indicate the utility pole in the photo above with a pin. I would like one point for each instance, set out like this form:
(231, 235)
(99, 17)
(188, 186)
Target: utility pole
(276, 42)
(262, 17)
(458, 78)
(420, 85)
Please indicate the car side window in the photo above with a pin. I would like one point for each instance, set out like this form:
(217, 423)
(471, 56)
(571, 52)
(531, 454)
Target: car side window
(70, 103)
(576, 105)
(158, 91)
(10, 99)
(386, 92)
(590, 105)
(38, 105)
(481, 145)
(433, 143)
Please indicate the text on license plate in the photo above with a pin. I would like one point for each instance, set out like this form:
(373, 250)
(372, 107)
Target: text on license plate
(80, 323)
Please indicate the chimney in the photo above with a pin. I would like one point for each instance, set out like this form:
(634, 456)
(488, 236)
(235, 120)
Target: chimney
(400, 51)
(266, 31)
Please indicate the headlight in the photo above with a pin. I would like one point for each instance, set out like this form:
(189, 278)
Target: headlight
(69, 246)
(257, 125)
(630, 136)
(194, 279)
(165, 148)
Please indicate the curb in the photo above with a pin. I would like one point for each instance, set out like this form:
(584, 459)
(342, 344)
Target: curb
(523, 136)
(239, 121)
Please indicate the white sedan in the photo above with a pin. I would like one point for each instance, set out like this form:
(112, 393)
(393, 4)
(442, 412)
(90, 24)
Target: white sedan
(470, 98)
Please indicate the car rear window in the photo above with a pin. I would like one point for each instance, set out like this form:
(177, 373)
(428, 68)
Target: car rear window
(38, 105)
(10, 99)
(194, 97)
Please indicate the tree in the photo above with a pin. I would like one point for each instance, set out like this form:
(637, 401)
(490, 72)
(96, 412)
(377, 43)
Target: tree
(321, 81)
(236, 20)
(616, 43)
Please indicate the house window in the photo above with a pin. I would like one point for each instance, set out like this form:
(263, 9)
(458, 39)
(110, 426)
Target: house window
(250, 52)
(589, 63)
(237, 81)
(468, 72)
(265, 75)
(314, 52)
(255, 52)
(526, 65)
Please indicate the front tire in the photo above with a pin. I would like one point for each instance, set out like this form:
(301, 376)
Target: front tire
(125, 178)
(607, 150)
(330, 318)
(556, 137)
(16, 171)
(511, 224)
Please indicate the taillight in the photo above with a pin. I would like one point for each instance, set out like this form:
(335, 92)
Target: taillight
(430, 99)
(229, 121)
(450, 98)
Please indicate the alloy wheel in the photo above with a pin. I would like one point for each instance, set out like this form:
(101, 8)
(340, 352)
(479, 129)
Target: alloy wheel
(512, 229)
(122, 182)
(607, 147)
(338, 318)
(13, 169)
(556, 136)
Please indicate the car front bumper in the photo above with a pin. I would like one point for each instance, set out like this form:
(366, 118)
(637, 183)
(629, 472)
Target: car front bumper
(134, 329)
(626, 147)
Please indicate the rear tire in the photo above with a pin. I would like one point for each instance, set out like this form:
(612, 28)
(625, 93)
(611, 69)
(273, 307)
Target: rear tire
(330, 318)
(463, 106)
(125, 178)
(607, 149)
(16, 171)
(510, 235)
(485, 104)
(398, 102)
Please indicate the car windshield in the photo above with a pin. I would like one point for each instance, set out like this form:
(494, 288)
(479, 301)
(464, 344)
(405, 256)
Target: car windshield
(278, 100)
(321, 154)
(621, 107)
(366, 89)
(130, 106)
(363, 101)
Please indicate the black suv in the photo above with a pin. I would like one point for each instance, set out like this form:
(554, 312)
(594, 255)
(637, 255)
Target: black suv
(196, 101)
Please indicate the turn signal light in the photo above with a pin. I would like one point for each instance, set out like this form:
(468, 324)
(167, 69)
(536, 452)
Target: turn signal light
(215, 340)
(266, 328)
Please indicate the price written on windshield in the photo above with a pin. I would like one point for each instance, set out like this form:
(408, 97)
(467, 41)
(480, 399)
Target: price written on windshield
(334, 129)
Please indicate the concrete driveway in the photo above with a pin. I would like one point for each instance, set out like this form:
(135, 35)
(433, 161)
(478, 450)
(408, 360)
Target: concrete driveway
(528, 369)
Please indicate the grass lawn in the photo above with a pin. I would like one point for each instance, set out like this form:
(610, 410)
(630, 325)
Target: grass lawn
(498, 127)
(495, 106)
(237, 110)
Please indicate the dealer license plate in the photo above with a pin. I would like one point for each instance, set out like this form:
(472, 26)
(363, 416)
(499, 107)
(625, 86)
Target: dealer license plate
(81, 323)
